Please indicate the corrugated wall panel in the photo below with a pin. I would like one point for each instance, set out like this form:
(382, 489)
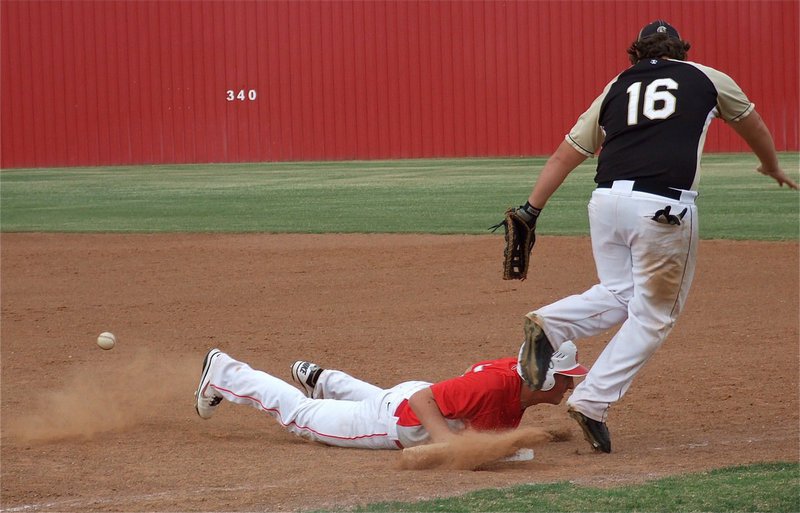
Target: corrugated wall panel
(127, 82)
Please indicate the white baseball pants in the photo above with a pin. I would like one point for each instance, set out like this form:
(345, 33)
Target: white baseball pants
(353, 413)
(645, 270)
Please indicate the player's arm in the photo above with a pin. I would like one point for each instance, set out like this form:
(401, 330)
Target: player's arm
(739, 112)
(424, 406)
(756, 134)
(583, 140)
(555, 171)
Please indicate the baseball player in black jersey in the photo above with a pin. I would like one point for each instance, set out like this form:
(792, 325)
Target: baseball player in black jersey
(651, 122)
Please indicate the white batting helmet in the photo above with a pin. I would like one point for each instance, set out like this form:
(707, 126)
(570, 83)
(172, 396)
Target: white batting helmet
(564, 361)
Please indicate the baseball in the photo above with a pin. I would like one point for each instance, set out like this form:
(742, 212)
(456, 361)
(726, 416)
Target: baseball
(106, 340)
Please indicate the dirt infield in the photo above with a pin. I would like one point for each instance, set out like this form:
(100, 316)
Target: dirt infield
(90, 430)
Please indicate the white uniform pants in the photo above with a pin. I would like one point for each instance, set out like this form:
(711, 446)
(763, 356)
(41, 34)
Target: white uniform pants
(645, 270)
(353, 414)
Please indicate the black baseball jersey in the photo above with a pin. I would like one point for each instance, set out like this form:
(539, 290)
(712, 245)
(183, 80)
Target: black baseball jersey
(652, 119)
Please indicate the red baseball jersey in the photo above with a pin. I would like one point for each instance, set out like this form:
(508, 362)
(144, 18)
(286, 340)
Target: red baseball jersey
(486, 397)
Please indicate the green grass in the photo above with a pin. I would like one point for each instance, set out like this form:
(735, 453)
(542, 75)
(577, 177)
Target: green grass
(767, 487)
(431, 196)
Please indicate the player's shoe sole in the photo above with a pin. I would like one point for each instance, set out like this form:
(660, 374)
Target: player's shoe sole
(535, 354)
(595, 432)
(205, 400)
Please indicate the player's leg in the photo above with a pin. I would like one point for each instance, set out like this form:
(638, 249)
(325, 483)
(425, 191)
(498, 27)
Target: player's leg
(339, 423)
(606, 304)
(663, 259)
(335, 384)
(319, 383)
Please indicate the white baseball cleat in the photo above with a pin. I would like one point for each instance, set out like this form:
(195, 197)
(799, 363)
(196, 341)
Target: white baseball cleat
(206, 398)
(306, 375)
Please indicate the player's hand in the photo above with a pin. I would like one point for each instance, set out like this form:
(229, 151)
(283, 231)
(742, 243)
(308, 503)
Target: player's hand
(779, 176)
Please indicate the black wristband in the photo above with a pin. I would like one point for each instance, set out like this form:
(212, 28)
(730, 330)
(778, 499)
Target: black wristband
(528, 213)
(530, 209)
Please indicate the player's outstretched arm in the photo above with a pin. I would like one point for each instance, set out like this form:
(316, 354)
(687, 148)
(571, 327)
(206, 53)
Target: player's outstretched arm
(756, 134)
(555, 171)
(427, 411)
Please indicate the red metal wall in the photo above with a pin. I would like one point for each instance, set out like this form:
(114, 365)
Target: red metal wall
(132, 82)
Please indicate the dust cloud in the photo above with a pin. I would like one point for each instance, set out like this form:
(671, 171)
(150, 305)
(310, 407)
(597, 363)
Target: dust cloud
(107, 394)
(473, 450)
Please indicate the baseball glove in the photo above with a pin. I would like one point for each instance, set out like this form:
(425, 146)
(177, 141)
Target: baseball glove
(520, 236)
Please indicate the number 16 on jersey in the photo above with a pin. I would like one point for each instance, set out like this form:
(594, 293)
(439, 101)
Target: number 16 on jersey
(658, 103)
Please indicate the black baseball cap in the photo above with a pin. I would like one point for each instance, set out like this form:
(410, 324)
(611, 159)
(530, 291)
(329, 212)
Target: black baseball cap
(658, 27)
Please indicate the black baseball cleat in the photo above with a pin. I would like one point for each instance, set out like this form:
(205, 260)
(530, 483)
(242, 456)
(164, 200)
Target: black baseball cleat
(595, 432)
(535, 354)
